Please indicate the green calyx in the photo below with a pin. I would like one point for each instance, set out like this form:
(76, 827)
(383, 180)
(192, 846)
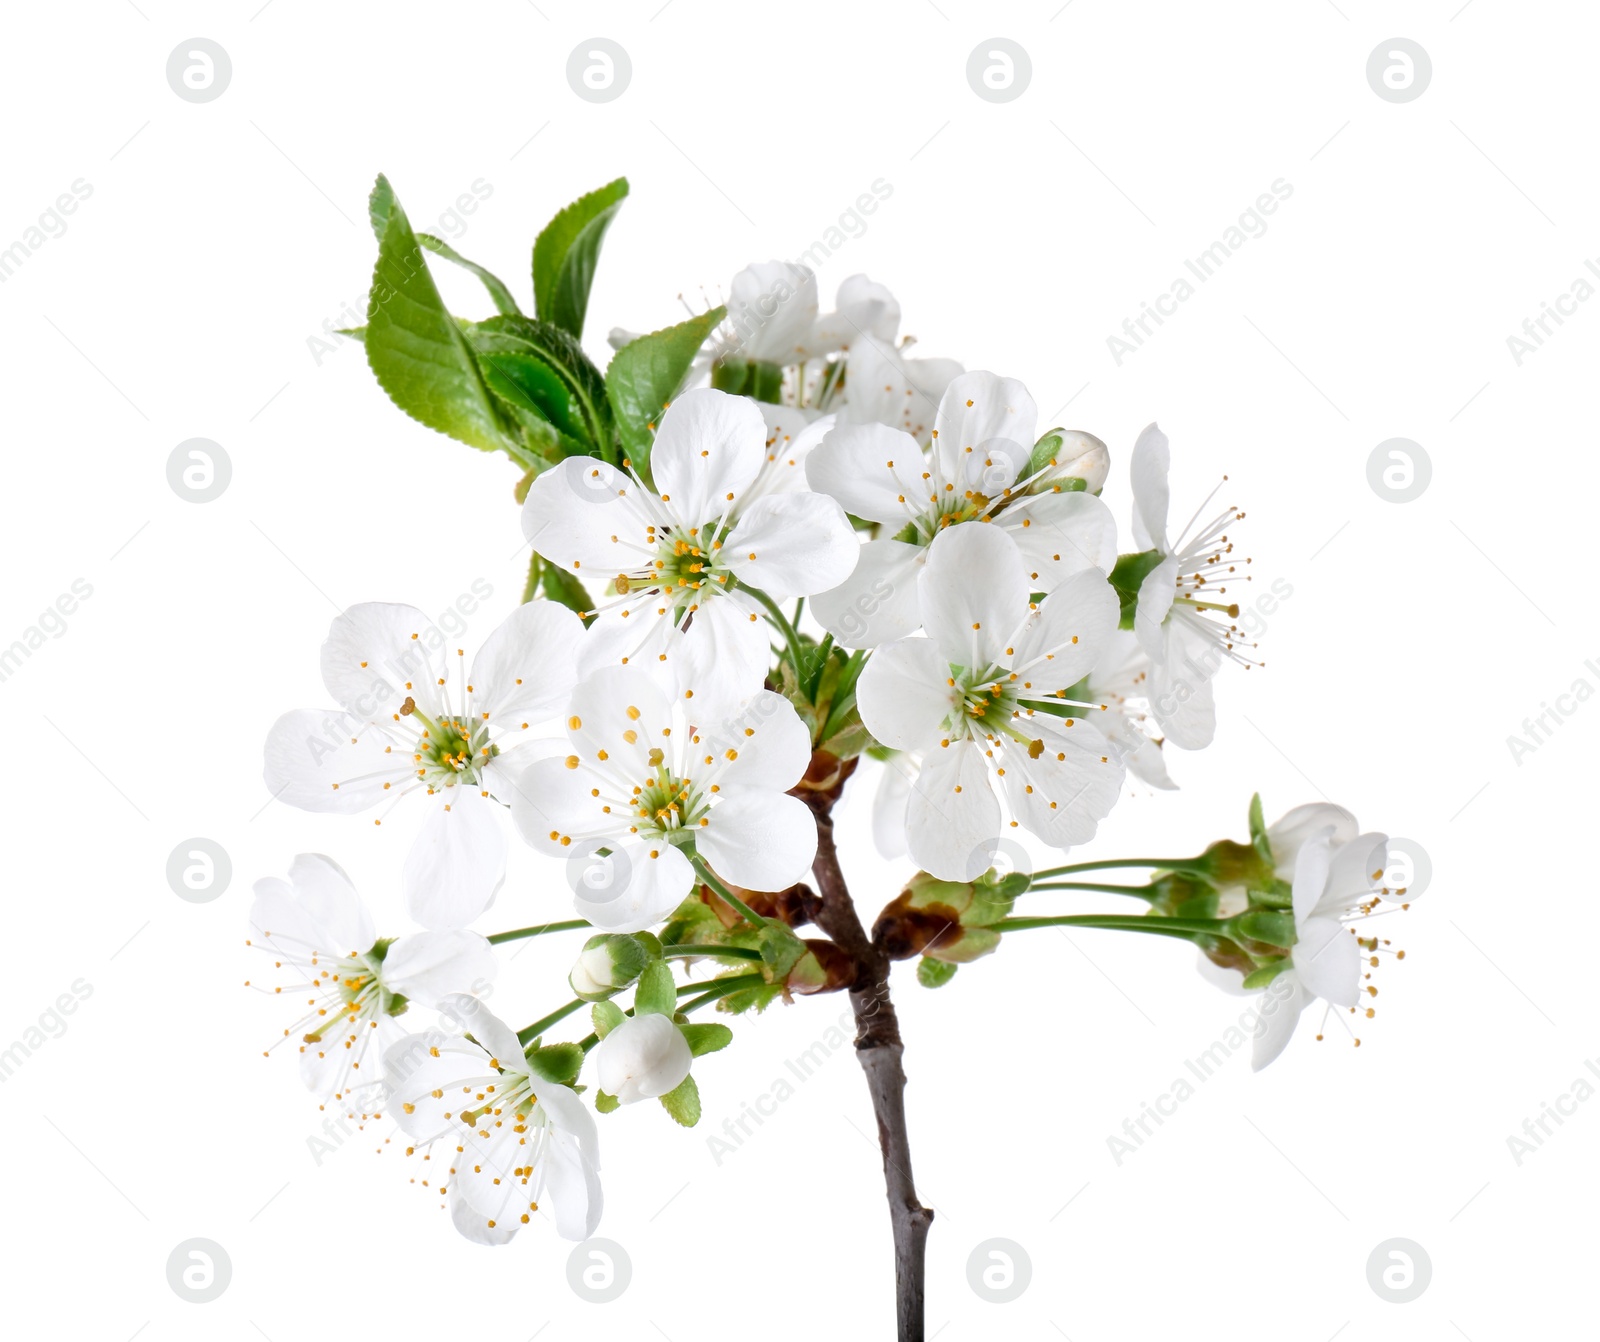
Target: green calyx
(1127, 575)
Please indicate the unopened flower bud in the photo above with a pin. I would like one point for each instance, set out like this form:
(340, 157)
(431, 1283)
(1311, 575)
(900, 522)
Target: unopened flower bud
(607, 963)
(643, 1058)
(1067, 459)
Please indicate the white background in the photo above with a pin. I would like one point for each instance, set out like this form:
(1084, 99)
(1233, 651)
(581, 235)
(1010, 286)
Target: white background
(181, 303)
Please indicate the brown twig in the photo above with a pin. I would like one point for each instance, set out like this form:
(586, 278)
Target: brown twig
(878, 1049)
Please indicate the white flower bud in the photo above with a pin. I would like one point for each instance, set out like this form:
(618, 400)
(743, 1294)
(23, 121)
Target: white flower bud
(644, 1057)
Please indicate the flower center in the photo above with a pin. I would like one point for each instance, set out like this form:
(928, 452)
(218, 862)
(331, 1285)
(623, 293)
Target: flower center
(450, 750)
(669, 806)
(687, 564)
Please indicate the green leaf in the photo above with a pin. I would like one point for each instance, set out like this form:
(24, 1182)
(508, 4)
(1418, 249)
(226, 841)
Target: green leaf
(934, 973)
(557, 1062)
(501, 295)
(565, 590)
(606, 1104)
(540, 369)
(380, 204)
(565, 253)
(683, 1103)
(706, 1038)
(644, 376)
(606, 1017)
(415, 347)
(657, 993)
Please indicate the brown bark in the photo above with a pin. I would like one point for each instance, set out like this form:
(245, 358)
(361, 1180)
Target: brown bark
(878, 1049)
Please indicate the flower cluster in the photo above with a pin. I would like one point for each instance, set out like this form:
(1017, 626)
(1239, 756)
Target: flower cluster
(766, 543)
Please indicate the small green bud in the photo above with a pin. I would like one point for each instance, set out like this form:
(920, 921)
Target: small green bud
(934, 973)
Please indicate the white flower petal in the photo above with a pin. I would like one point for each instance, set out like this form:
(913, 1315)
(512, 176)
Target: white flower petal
(873, 471)
(615, 718)
(889, 807)
(527, 668)
(759, 840)
(1148, 471)
(903, 693)
(723, 657)
(1311, 867)
(1281, 1004)
(985, 431)
(552, 802)
(637, 886)
(884, 387)
(953, 817)
(973, 594)
(772, 308)
(429, 966)
(1185, 709)
(1328, 961)
(376, 654)
(582, 514)
(327, 895)
(1060, 535)
(790, 545)
(457, 863)
(765, 746)
(1065, 636)
(324, 761)
(1156, 594)
(1295, 827)
(878, 601)
(572, 1181)
(1063, 794)
(708, 450)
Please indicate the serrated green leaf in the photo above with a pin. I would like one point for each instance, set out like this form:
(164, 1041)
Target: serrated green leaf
(557, 1062)
(683, 1103)
(498, 292)
(606, 1104)
(657, 993)
(706, 1038)
(578, 410)
(644, 376)
(565, 253)
(416, 348)
(380, 201)
(934, 973)
(606, 1017)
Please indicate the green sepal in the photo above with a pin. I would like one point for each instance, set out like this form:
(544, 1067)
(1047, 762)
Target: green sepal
(565, 253)
(645, 375)
(556, 1062)
(780, 951)
(498, 293)
(708, 1038)
(759, 381)
(1044, 454)
(1272, 894)
(935, 973)
(1128, 573)
(683, 1102)
(1275, 929)
(606, 1017)
(657, 993)
(1265, 974)
(1258, 831)
(606, 1104)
